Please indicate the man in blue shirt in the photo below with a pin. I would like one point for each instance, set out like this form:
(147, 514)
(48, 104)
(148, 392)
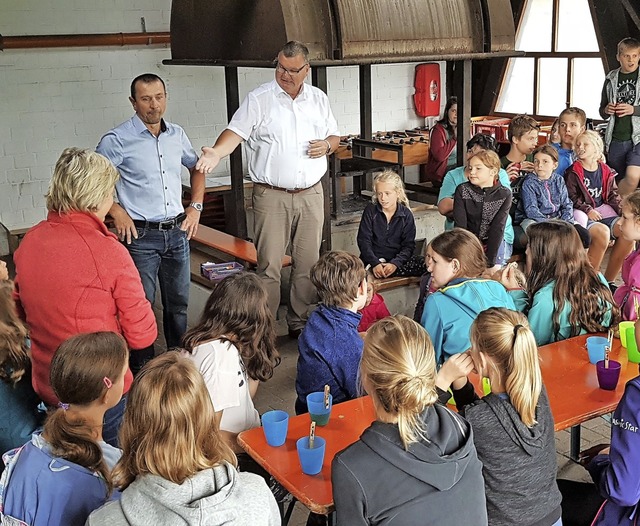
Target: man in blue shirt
(149, 217)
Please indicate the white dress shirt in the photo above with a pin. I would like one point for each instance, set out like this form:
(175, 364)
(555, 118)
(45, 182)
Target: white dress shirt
(277, 130)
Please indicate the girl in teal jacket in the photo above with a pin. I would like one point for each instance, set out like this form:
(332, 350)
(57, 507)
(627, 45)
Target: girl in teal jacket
(457, 262)
(564, 295)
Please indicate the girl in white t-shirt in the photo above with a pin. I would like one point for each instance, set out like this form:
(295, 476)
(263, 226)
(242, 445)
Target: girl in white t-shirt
(233, 346)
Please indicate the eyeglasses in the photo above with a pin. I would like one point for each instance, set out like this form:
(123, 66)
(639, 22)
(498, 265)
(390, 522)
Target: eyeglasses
(280, 68)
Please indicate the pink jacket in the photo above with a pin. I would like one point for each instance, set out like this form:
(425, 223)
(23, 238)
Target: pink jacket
(631, 288)
(73, 276)
(376, 310)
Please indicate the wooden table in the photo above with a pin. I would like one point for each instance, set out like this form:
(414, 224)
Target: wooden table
(571, 385)
(348, 421)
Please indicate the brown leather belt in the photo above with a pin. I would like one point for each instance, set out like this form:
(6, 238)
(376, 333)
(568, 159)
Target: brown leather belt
(287, 190)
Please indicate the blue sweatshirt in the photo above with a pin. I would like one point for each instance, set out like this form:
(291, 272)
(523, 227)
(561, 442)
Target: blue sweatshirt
(329, 349)
(42, 489)
(616, 474)
(544, 199)
(393, 240)
(450, 311)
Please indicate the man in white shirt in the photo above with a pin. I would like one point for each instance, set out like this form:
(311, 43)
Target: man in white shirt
(289, 130)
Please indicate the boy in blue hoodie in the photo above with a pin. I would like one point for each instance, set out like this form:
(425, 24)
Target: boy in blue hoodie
(544, 195)
(330, 347)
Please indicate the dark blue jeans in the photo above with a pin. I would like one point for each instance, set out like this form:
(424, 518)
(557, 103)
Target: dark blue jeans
(112, 421)
(163, 255)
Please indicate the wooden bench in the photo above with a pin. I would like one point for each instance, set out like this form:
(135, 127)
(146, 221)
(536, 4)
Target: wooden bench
(222, 244)
(395, 282)
(240, 249)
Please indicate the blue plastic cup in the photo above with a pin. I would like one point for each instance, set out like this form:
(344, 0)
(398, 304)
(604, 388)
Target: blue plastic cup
(275, 425)
(311, 459)
(595, 347)
(317, 411)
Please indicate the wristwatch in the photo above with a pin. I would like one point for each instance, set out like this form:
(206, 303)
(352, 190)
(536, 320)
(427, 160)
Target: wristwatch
(197, 206)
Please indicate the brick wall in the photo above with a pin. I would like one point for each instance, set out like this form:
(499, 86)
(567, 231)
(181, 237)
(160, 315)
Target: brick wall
(56, 98)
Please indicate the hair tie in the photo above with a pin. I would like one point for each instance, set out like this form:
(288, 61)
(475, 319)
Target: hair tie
(515, 329)
(107, 382)
(63, 406)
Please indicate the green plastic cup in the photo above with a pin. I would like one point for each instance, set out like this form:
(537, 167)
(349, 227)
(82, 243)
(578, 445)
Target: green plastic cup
(632, 346)
(622, 329)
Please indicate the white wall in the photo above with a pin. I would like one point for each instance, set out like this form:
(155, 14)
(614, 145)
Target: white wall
(51, 99)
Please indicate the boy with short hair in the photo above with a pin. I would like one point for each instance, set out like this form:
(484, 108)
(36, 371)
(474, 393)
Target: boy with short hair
(523, 138)
(620, 104)
(330, 347)
(571, 123)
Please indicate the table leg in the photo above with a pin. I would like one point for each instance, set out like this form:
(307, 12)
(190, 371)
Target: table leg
(575, 443)
(286, 517)
(331, 518)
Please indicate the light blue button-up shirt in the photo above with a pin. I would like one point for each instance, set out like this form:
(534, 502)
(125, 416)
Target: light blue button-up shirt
(150, 184)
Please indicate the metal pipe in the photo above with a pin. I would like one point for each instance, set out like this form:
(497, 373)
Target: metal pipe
(85, 40)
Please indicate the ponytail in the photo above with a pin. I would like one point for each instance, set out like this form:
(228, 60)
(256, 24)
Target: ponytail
(504, 336)
(72, 439)
(524, 378)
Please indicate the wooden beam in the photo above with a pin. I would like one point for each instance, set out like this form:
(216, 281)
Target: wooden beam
(462, 90)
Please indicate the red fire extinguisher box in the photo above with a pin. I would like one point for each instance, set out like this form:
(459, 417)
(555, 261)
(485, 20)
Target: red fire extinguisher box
(427, 86)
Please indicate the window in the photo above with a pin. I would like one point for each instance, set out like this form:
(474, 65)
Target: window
(563, 64)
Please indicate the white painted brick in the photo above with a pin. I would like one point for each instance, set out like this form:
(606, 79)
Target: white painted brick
(18, 175)
(14, 147)
(12, 218)
(25, 160)
(34, 216)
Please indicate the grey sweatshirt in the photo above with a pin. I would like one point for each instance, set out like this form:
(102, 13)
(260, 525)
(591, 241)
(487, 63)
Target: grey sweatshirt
(519, 463)
(212, 497)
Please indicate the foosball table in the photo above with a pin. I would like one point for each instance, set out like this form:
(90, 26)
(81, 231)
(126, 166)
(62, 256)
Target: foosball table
(357, 157)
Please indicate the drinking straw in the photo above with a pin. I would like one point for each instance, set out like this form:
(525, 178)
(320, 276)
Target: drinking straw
(637, 307)
(312, 434)
(326, 396)
(606, 357)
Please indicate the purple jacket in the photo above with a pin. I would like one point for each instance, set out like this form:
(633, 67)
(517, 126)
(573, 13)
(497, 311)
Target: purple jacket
(616, 475)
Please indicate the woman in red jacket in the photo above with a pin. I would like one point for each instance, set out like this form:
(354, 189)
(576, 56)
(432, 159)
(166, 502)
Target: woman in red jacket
(73, 276)
(442, 145)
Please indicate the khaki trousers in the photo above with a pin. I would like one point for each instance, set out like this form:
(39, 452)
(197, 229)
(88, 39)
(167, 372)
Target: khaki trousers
(283, 220)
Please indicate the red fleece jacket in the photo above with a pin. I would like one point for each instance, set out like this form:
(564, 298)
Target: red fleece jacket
(73, 276)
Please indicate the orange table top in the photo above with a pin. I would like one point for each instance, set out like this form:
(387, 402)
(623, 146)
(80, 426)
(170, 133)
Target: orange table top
(568, 376)
(348, 421)
(572, 384)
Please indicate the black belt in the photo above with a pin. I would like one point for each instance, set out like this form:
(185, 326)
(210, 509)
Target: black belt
(167, 224)
(288, 190)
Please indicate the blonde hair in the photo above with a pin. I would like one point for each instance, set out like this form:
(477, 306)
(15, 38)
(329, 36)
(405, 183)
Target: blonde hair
(490, 159)
(389, 176)
(462, 245)
(504, 336)
(169, 427)
(595, 139)
(82, 180)
(337, 276)
(399, 367)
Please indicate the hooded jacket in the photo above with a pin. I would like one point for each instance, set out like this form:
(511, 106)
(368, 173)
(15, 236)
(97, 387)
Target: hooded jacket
(437, 481)
(215, 496)
(610, 93)
(519, 463)
(615, 474)
(450, 311)
(542, 199)
(580, 196)
(630, 289)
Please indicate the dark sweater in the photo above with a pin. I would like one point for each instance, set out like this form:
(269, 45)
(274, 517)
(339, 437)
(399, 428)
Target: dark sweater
(483, 211)
(393, 240)
(519, 463)
(436, 482)
(329, 349)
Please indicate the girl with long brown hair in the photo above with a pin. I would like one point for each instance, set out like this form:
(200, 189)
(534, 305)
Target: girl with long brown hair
(18, 402)
(176, 468)
(233, 346)
(63, 474)
(564, 295)
(513, 425)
